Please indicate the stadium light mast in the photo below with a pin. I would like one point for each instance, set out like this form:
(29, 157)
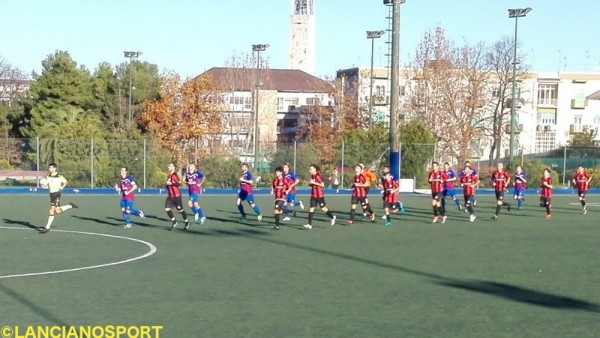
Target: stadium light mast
(372, 35)
(394, 87)
(257, 48)
(514, 13)
(131, 56)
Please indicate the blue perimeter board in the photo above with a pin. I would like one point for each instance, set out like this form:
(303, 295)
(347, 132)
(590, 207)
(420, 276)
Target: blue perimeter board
(261, 191)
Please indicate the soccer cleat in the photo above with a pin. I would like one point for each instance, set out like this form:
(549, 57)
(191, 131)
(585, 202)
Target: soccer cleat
(73, 205)
(373, 217)
(243, 217)
(128, 226)
(301, 205)
(259, 218)
(434, 220)
(364, 215)
(173, 225)
(349, 221)
(520, 208)
(196, 218)
(472, 218)
(585, 210)
(508, 208)
(460, 207)
(332, 223)
(402, 211)
(474, 203)
(384, 217)
(142, 216)
(547, 216)
(187, 225)
(202, 220)
(275, 227)
(444, 219)
(286, 218)
(307, 226)
(44, 231)
(388, 224)
(495, 217)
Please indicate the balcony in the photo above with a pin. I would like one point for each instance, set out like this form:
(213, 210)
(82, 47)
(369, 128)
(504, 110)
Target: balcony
(579, 103)
(582, 129)
(546, 102)
(545, 128)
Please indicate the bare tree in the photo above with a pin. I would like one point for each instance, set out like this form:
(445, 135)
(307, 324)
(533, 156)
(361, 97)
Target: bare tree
(13, 85)
(499, 59)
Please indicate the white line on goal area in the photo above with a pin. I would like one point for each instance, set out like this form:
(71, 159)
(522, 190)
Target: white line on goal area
(151, 252)
(588, 204)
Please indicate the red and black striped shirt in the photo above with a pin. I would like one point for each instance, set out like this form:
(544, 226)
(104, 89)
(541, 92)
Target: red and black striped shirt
(437, 179)
(501, 179)
(468, 182)
(173, 188)
(280, 185)
(316, 191)
(356, 190)
(389, 195)
(546, 192)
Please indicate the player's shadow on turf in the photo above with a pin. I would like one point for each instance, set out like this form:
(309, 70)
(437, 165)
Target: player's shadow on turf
(96, 220)
(27, 224)
(35, 308)
(523, 295)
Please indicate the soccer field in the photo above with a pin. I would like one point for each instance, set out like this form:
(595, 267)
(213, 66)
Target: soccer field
(521, 276)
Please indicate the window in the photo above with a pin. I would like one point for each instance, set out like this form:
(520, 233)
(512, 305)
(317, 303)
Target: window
(596, 119)
(547, 94)
(545, 141)
(313, 101)
(577, 119)
(280, 104)
(291, 102)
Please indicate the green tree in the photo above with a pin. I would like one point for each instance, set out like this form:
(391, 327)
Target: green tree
(365, 146)
(582, 140)
(417, 150)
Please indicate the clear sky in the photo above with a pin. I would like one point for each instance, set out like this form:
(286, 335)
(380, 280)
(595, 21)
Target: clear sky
(191, 36)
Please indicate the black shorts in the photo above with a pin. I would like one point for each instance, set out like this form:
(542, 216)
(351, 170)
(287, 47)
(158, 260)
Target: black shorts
(581, 193)
(279, 204)
(545, 201)
(358, 200)
(391, 206)
(436, 196)
(174, 203)
(55, 199)
(469, 199)
(499, 195)
(317, 202)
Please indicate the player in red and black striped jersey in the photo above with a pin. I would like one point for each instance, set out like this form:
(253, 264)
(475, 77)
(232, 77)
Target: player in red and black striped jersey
(317, 198)
(500, 180)
(359, 195)
(437, 178)
(279, 188)
(468, 181)
(390, 196)
(174, 198)
(546, 192)
(582, 182)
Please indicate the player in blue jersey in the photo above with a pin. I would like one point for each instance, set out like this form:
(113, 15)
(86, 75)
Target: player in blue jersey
(449, 187)
(245, 193)
(194, 180)
(292, 181)
(126, 187)
(520, 182)
(474, 173)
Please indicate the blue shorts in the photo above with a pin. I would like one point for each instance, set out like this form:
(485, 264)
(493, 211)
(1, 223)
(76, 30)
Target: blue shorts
(245, 196)
(195, 198)
(519, 193)
(290, 198)
(127, 205)
(449, 192)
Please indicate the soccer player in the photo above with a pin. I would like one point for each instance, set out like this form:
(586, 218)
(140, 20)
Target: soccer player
(468, 182)
(55, 183)
(370, 179)
(174, 198)
(194, 180)
(279, 187)
(473, 172)
(400, 206)
(390, 196)
(520, 181)
(317, 198)
(359, 195)
(436, 179)
(293, 181)
(127, 186)
(500, 180)
(449, 187)
(245, 193)
(582, 182)
(546, 192)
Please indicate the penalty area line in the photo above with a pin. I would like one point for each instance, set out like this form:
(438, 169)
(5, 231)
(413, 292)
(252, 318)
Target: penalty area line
(152, 250)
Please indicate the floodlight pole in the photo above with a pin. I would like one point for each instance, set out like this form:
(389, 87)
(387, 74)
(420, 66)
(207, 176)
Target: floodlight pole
(372, 35)
(131, 56)
(394, 87)
(257, 48)
(514, 13)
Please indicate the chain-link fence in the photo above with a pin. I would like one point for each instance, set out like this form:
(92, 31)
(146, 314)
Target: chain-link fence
(95, 163)
(565, 160)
